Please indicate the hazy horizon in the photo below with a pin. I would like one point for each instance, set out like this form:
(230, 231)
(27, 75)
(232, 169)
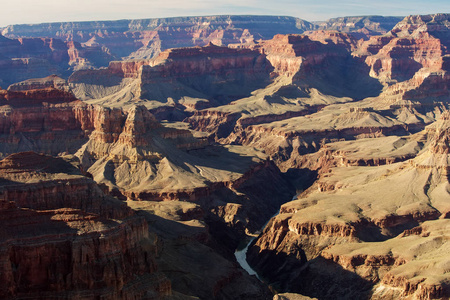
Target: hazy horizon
(50, 11)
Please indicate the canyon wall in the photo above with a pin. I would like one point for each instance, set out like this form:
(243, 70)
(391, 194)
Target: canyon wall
(60, 230)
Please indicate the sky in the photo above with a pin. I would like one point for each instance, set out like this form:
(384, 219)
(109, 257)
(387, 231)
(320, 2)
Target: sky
(43, 11)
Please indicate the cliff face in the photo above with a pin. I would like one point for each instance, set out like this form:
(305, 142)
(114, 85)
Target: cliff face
(220, 74)
(315, 60)
(60, 230)
(401, 58)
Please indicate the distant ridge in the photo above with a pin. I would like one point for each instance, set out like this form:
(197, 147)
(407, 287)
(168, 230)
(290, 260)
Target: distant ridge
(374, 24)
(55, 29)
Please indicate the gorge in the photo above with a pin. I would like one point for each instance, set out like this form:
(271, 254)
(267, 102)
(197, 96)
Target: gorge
(138, 155)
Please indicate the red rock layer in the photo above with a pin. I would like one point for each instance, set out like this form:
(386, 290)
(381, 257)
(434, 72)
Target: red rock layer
(35, 97)
(210, 60)
(127, 69)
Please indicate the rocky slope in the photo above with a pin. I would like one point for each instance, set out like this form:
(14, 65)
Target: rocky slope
(369, 226)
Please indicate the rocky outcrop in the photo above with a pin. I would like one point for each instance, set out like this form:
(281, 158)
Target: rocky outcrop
(340, 39)
(32, 122)
(65, 238)
(287, 53)
(87, 56)
(127, 69)
(35, 97)
(435, 25)
(35, 92)
(51, 81)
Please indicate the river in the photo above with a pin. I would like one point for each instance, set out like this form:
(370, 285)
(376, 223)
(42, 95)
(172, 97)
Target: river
(241, 255)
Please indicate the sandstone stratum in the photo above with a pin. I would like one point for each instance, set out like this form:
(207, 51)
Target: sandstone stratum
(140, 157)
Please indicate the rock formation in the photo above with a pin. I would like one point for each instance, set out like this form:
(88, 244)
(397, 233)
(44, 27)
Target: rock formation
(44, 49)
(185, 78)
(59, 230)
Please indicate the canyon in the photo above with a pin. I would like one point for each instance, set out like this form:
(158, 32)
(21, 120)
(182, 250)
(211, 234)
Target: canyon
(138, 155)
